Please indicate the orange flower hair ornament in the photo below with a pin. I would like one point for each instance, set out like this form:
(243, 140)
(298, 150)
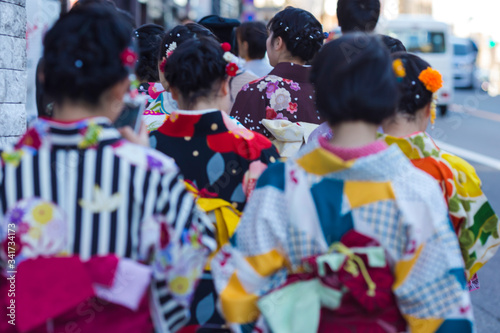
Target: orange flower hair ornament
(399, 68)
(431, 79)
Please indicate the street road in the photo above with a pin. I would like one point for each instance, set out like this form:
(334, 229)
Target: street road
(472, 129)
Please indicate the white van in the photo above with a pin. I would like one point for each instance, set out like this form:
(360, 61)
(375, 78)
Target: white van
(430, 40)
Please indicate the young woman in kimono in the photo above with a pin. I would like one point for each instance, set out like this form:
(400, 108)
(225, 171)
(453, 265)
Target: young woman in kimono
(163, 104)
(295, 36)
(220, 160)
(148, 37)
(474, 221)
(348, 236)
(99, 234)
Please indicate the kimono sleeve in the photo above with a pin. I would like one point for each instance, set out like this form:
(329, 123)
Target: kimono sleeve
(430, 284)
(177, 241)
(255, 261)
(477, 223)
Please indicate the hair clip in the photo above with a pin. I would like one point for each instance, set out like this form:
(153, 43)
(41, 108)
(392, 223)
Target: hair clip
(297, 38)
(326, 34)
(399, 69)
(310, 36)
(286, 28)
(281, 23)
(78, 63)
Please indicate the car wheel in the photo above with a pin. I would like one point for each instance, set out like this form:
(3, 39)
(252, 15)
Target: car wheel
(443, 110)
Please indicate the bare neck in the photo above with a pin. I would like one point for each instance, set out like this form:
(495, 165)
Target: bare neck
(353, 134)
(68, 111)
(403, 125)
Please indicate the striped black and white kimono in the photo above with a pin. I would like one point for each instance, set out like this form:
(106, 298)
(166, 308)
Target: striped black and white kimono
(117, 198)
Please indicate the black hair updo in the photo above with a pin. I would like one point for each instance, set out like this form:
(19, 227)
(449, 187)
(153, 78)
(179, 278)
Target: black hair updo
(194, 67)
(358, 15)
(393, 44)
(82, 54)
(182, 33)
(300, 30)
(149, 37)
(414, 94)
(354, 80)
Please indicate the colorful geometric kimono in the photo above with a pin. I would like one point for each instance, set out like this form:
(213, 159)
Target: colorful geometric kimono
(474, 221)
(222, 161)
(285, 93)
(215, 154)
(88, 207)
(300, 208)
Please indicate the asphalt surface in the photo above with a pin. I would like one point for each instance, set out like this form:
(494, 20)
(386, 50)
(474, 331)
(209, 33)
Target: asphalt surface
(473, 124)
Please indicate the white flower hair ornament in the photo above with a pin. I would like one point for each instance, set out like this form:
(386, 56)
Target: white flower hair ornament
(170, 49)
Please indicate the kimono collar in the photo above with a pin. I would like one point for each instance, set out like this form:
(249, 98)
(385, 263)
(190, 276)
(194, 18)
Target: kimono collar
(415, 146)
(381, 166)
(292, 71)
(195, 123)
(82, 134)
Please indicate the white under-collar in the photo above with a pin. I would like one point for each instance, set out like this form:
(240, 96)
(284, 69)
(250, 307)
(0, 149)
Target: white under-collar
(196, 112)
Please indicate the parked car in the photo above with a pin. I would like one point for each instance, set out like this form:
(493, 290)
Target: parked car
(429, 39)
(464, 63)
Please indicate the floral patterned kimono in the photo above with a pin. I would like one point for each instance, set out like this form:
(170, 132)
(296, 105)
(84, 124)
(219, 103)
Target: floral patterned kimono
(160, 106)
(108, 220)
(305, 206)
(220, 160)
(285, 93)
(475, 222)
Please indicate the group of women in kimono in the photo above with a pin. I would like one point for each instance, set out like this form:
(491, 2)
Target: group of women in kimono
(203, 227)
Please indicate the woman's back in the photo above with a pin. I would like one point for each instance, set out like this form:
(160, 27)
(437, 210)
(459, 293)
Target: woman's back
(214, 153)
(301, 208)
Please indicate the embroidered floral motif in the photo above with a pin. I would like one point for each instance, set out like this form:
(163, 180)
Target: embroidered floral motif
(273, 78)
(271, 88)
(270, 113)
(245, 87)
(90, 136)
(280, 116)
(43, 213)
(280, 99)
(262, 85)
(294, 86)
(101, 203)
(292, 107)
(13, 158)
(41, 232)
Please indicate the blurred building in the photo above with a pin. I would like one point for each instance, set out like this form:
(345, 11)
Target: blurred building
(12, 70)
(415, 7)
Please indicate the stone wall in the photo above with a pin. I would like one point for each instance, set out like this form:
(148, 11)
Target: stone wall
(12, 70)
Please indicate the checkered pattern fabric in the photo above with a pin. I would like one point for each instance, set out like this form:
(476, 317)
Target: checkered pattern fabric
(386, 222)
(436, 298)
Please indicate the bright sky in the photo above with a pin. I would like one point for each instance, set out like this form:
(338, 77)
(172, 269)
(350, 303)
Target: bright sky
(470, 16)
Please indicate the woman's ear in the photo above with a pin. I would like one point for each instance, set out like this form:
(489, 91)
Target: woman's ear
(278, 43)
(225, 88)
(427, 110)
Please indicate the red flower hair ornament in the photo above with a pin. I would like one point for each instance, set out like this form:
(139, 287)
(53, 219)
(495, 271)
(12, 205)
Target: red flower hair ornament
(231, 59)
(128, 57)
